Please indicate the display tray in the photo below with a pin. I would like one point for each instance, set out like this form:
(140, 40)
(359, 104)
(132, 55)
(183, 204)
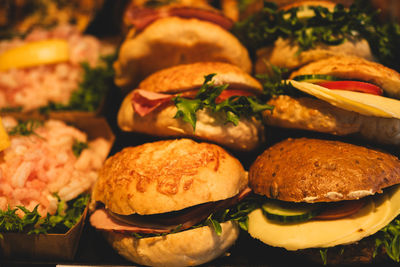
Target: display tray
(93, 250)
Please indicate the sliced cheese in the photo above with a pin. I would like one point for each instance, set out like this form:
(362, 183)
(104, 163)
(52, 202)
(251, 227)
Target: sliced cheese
(379, 212)
(34, 54)
(4, 138)
(362, 103)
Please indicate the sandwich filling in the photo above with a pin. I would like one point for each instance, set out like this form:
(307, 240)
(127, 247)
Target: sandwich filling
(150, 225)
(362, 103)
(377, 212)
(233, 103)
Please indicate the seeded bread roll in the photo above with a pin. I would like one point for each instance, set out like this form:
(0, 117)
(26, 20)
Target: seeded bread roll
(167, 176)
(325, 171)
(173, 41)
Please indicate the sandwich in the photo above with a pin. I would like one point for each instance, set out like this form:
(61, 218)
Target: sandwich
(342, 96)
(212, 101)
(292, 35)
(172, 35)
(151, 201)
(330, 202)
(54, 69)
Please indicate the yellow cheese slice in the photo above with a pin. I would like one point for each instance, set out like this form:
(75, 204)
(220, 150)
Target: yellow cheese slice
(362, 103)
(35, 53)
(4, 138)
(379, 212)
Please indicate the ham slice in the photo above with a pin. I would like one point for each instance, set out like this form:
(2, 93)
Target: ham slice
(161, 223)
(141, 17)
(101, 220)
(144, 102)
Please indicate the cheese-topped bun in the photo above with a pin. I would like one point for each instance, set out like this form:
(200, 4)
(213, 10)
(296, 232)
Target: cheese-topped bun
(150, 108)
(167, 176)
(152, 199)
(348, 95)
(285, 52)
(313, 170)
(172, 41)
(326, 200)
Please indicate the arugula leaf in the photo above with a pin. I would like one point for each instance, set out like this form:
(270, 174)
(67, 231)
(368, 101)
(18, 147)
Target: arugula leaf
(389, 238)
(324, 255)
(91, 91)
(11, 222)
(33, 223)
(358, 21)
(214, 224)
(26, 128)
(236, 213)
(232, 108)
(274, 83)
(78, 147)
(187, 109)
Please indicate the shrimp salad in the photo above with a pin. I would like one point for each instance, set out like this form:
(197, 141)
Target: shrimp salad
(39, 165)
(33, 87)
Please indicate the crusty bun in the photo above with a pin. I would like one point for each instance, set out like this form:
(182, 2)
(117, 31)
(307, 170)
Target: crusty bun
(246, 136)
(313, 114)
(172, 41)
(187, 248)
(167, 176)
(350, 67)
(285, 54)
(191, 76)
(313, 170)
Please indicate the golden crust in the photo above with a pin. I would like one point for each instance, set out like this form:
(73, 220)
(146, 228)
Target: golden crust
(350, 67)
(285, 54)
(176, 249)
(166, 176)
(311, 114)
(312, 170)
(173, 41)
(191, 76)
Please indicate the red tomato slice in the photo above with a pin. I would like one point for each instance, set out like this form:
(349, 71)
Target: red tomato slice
(234, 92)
(341, 209)
(356, 86)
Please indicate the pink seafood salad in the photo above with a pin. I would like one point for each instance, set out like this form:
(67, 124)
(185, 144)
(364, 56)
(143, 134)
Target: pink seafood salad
(36, 166)
(33, 87)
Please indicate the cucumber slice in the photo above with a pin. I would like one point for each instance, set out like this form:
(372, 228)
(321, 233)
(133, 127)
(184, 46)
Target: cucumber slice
(288, 212)
(315, 78)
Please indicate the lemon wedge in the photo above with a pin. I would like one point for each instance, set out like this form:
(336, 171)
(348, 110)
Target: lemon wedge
(4, 138)
(35, 53)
